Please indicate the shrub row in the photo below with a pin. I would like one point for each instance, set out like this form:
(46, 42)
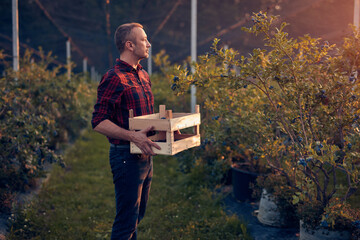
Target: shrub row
(40, 109)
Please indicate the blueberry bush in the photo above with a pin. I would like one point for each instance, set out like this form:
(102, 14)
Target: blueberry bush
(39, 111)
(162, 86)
(293, 104)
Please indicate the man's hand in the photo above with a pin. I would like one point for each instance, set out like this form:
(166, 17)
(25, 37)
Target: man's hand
(141, 141)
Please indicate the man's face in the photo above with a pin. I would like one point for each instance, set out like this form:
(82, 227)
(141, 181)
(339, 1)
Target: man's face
(140, 42)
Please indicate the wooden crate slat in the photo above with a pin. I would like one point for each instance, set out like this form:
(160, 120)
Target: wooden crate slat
(149, 116)
(185, 122)
(159, 124)
(176, 115)
(185, 143)
(165, 149)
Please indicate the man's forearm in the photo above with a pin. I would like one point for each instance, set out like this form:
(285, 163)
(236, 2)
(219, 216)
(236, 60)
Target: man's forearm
(112, 130)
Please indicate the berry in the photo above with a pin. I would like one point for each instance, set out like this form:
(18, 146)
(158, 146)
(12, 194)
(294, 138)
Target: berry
(349, 146)
(357, 224)
(173, 87)
(302, 162)
(271, 87)
(352, 79)
(324, 223)
(176, 79)
(356, 117)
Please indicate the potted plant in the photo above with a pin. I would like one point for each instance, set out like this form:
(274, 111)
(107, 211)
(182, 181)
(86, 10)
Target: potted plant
(276, 207)
(311, 134)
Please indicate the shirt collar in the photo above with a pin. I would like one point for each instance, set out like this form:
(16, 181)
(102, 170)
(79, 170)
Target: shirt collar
(126, 67)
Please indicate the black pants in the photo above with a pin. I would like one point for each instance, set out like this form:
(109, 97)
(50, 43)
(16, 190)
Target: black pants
(132, 174)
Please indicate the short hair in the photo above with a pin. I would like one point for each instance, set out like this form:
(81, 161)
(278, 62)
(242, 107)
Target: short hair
(122, 34)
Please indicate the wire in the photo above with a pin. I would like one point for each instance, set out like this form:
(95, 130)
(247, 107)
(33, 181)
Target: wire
(162, 24)
(247, 19)
(32, 49)
(75, 47)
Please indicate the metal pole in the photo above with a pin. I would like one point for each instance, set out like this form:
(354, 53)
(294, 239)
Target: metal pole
(149, 62)
(93, 73)
(356, 13)
(193, 49)
(226, 47)
(68, 59)
(15, 30)
(85, 68)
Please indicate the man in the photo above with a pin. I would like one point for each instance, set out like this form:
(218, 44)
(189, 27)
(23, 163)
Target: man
(127, 86)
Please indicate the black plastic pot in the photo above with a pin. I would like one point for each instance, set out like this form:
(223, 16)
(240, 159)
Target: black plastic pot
(241, 181)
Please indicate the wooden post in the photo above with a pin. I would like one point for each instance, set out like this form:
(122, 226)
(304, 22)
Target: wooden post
(197, 127)
(169, 114)
(162, 111)
(131, 113)
(169, 134)
(162, 115)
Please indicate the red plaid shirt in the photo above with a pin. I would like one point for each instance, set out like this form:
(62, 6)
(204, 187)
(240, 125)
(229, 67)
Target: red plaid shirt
(120, 89)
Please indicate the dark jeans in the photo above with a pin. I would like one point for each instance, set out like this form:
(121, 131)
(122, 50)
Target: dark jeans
(132, 175)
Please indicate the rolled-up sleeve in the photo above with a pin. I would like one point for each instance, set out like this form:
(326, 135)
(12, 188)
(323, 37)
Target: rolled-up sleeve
(108, 93)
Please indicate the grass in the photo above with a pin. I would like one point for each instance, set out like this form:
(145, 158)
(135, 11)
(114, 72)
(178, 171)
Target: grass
(78, 202)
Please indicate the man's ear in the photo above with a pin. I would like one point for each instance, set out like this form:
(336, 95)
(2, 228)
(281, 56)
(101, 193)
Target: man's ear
(129, 45)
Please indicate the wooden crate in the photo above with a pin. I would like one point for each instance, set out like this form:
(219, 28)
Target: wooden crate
(166, 124)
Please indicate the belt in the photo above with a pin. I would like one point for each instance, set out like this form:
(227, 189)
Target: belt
(120, 146)
(127, 147)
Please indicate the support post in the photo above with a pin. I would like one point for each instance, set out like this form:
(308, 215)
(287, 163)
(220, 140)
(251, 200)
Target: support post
(356, 13)
(15, 34)
(68, 59)
(85, 68)
(93, 73)
(226, 47)
(193, 49)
